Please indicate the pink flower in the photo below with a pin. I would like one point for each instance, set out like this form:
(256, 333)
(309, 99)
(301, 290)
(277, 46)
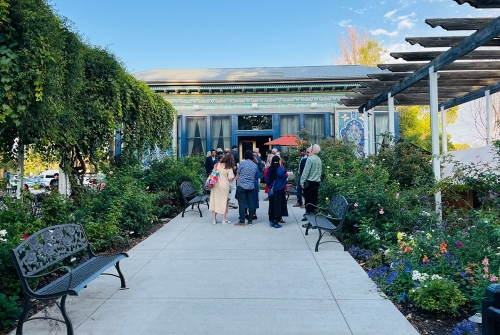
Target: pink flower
(485, 276)
(485, 261)
(147, 187)
(493, 278)
(162, 201)
(397, 195)
(356, 204)
(381, 211)
(103, 185)
(110, 172)
(485, 269)
(171, 202)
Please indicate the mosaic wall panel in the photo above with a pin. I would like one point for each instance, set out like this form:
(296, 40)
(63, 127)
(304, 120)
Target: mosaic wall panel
(351, 129)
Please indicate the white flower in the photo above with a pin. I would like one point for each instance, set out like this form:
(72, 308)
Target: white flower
(3, 232)
(326, 198)
(435, 277)
(424, 213)
(377, 237)
(3, 240)
(337, 175)
(327, 167)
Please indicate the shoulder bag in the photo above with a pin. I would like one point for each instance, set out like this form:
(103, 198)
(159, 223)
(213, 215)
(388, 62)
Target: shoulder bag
(213, 177)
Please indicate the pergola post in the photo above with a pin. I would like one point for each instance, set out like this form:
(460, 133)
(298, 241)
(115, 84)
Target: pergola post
(436, 164)
(20, 164)
(444, 135)
(366, 133)
(489, 117)
(392, 127)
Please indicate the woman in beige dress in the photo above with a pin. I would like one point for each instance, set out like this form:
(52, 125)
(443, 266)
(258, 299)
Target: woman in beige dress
(220, 192)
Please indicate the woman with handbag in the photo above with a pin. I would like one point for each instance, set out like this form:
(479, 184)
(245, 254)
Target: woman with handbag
(276, 180)
(220, 191)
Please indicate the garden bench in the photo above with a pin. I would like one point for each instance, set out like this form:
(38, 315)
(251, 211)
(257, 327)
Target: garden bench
(331, 222)
(290, 190)
(49, 250)
(192, 197)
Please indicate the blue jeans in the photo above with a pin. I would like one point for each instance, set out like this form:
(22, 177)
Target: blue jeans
(245, 196)
(299, 192)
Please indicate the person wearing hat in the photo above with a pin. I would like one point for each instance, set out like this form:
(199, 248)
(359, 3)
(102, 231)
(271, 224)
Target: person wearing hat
(302, 164)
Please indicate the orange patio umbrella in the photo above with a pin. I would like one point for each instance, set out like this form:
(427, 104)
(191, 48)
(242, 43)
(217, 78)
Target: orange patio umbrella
(286, 140)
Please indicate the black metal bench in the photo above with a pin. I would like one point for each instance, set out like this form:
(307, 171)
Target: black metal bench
(47, 251)
(290, 190)
(331, 222)
(192, 197)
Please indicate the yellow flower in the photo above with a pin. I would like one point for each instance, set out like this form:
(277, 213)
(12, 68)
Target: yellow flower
(428, 235)
(400, 236)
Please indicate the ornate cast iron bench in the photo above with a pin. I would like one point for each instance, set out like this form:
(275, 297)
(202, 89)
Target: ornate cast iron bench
(331, 222)
(47, 251)
(192, 197)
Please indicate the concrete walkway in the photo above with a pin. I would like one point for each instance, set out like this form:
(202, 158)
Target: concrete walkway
(192, 277)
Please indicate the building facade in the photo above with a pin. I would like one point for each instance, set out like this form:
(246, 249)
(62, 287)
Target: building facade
(218, 108)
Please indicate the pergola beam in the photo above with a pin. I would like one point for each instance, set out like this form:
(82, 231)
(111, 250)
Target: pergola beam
(467, 75)
(471, 96)
(476, 23)
(414, 56)
(467, 45)
(445, 41)
(455, 66)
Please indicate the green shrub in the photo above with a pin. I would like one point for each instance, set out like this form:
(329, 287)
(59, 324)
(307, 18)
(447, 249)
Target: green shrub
(439, 295)
(167, 175)
(9, 311)
(56, 209)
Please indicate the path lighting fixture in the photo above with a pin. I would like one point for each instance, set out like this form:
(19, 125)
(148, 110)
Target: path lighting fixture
(476, 318)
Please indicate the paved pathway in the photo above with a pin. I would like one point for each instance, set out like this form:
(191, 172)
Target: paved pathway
(192, 277)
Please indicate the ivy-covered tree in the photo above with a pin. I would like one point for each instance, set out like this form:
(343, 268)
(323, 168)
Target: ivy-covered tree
(65, 98)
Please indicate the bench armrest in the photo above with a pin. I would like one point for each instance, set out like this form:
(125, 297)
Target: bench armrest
(68, 269)
(124, 244)
(318, 207)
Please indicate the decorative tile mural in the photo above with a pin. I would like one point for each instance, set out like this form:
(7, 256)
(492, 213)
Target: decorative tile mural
(351, 129)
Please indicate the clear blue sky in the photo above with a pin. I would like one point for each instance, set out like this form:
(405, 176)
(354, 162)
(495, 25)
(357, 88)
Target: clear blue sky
(155, 34)
(151, 34)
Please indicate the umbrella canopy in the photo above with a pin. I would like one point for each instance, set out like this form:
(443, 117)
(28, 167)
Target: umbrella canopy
(288, 140)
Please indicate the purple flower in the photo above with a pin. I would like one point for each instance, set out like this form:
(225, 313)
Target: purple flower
(459, 244)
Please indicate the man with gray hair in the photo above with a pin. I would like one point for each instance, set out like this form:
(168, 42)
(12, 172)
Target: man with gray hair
(310, 179)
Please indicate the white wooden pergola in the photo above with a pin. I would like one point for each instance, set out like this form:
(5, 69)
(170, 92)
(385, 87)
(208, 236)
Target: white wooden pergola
(458, 75)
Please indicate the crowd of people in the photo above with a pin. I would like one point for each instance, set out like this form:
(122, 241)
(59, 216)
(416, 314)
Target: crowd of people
(239, 181)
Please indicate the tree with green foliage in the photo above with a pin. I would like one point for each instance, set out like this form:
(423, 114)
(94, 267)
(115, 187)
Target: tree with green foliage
(415, 125)
(66, 99)
(358, 49)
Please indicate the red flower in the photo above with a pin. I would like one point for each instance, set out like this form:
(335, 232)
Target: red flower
(162, 202)
(25, 236)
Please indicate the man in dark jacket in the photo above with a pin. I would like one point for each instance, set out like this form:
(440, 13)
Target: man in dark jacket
(304, 153)
(210, 161)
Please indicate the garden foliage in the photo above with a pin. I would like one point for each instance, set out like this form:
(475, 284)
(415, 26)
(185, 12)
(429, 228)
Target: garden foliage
(437, 264)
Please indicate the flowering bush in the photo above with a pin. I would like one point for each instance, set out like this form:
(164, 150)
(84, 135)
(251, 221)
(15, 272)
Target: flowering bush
(394, 280)
(437, 295)
(465, 327)
(360, 254)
